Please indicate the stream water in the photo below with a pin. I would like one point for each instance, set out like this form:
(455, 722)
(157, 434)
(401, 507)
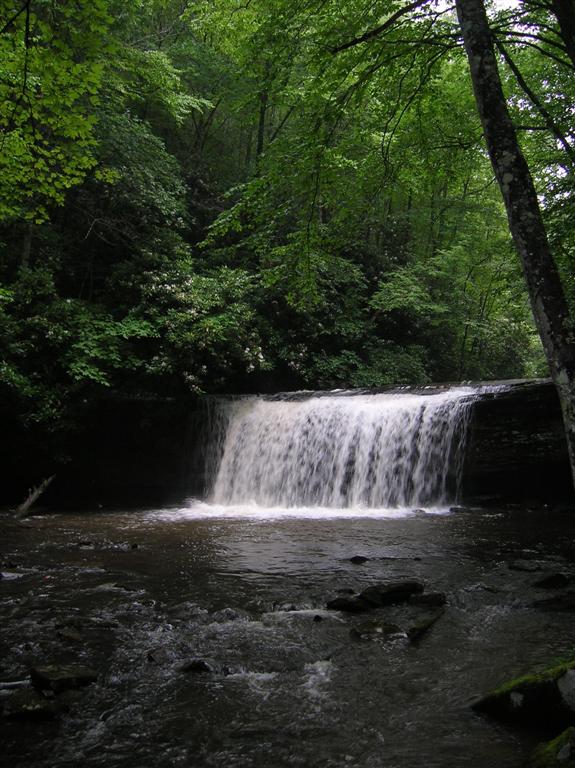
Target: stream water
(206, 623)
(245, 593)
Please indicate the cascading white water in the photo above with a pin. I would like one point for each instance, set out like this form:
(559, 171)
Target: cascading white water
(384, 450)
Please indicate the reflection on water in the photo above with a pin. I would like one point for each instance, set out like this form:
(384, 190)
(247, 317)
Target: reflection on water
(209, 632)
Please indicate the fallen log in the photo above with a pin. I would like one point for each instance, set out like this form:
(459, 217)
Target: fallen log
(33, 496)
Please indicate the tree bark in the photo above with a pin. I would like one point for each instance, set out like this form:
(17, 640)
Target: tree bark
(526, 224)
(564, 11)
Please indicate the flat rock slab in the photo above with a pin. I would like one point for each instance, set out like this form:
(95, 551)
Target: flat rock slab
(62, 678)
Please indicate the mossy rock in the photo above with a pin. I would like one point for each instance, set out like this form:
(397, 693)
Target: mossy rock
(558, 753)
(546, 699)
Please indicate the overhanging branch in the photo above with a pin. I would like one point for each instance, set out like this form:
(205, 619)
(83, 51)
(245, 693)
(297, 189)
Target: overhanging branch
(382, 28)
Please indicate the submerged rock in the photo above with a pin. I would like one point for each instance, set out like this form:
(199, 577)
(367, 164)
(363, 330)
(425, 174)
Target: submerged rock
(562, 602)
(407, 624)
(225, 615)
(431, 598)
(558, 753)
(28, 703)
(545, 699)
(61, 678)
(349, 604)
(528, 566)
(420, 624)
(358, 559)
(159, 656)
(70, 634)
(553, 581)
(197, 667)
(377, 630)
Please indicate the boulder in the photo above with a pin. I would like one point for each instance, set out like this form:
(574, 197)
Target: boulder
(61, 678)
(546, 699)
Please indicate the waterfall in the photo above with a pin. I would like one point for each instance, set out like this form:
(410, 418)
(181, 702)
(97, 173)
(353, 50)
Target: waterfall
(342, 450)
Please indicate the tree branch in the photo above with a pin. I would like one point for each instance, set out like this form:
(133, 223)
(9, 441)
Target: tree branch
(537, 103)
(382, 28)
(6, 27)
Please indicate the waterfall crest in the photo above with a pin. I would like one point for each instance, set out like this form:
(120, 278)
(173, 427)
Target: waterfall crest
(374, 450)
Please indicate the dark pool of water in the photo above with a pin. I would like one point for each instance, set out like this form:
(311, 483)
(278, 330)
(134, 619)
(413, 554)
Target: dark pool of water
(150, 590)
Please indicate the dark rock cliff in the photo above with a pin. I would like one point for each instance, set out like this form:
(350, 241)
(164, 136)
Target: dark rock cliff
(516, 448)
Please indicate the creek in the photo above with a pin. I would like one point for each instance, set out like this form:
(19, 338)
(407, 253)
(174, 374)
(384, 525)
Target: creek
(207, 624)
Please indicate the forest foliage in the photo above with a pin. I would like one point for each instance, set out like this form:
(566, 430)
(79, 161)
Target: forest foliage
(240, 195)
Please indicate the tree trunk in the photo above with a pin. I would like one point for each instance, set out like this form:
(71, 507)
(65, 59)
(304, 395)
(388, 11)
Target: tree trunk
(525, 220)
(262, 122)
(564, 11)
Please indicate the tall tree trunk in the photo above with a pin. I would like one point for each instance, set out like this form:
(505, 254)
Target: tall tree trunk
(263, 110)
(525, 220)
(262, 122)
(564, 11)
